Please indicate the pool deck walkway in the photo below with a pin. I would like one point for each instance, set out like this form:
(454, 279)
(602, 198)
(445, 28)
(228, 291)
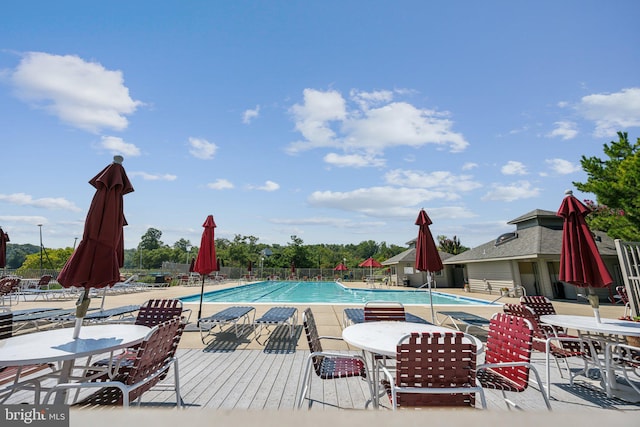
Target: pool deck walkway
(232, 373)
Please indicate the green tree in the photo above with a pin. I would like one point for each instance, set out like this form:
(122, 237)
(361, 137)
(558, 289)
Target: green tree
(616, 185)
(451, 246)
(17, 254)
(242, 250)
(54, 260)
(297, 254)
(151, 239)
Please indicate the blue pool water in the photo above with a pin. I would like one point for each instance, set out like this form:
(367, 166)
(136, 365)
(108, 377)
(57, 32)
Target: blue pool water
(324, 292)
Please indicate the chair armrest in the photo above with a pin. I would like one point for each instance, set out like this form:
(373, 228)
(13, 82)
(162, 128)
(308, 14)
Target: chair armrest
(326, 337)
(336, 354)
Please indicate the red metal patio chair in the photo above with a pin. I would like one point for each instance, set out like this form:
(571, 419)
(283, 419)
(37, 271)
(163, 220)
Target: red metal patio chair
(507, 364)
(434, 369)
(377, 311)
(151, 313)
(328, 365)
(154, 358)
(560, 346)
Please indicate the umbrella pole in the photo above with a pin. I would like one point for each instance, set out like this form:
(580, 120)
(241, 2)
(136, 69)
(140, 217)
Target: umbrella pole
(104, 295)
(595, 303)
(433, 315)
(82, 305)
(201, 296)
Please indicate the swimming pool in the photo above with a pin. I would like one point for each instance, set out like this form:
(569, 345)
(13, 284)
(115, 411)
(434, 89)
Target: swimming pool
(325, 293)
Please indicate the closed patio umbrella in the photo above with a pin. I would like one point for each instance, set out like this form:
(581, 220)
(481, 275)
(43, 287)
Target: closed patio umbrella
(4, 238)
(97, 261)
(427, 256)
(580, 261)
(206, 262)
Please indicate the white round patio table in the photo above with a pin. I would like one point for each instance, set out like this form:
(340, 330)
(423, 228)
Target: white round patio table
(605, 326)
(58, 345)
(589, 324)
(382, 337)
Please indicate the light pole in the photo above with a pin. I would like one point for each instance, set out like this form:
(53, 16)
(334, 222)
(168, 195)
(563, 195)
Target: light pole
(75, 240)
(40, 225)
(261, 266)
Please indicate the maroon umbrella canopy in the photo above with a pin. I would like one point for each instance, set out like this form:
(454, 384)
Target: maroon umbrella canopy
(97, 260)
(192, 265)
(580, 261)
(370, 262)
(427, 256)
(4, 238)
(206, 262)
(341, 267)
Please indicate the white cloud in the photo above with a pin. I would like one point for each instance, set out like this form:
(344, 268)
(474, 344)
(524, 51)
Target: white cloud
(22, 199)
(377, 201)
(268, 186)
(564, 129)
(202, 149)
(314, 116)
(26, 219)
(562, 167)
(612, 112)
(325, 120)
(353, 160)
(511, 192)
(320, 221)
(154, 177)
(388, 202)
(117, 145)
(442, 180)
(514, 168)
(83, 94)
(220, 184)
(469, 165)
(367, 99)
(249, 115)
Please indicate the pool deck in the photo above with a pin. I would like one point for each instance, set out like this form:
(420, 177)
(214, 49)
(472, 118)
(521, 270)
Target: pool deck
(229, 379)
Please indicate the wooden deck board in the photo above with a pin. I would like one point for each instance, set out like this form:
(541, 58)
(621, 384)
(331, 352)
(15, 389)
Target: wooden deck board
(258, 380)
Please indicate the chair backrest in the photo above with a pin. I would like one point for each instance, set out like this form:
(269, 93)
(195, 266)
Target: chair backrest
(152, 355)
(539, 304)
(6, 324)
(376, 311)
(9, 285)
(156, 311)
(43, 283)
(525, 312)
(313, 338)
(510, 339)
(436, 360)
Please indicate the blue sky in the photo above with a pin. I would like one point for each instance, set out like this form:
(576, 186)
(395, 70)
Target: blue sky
(335, 121)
